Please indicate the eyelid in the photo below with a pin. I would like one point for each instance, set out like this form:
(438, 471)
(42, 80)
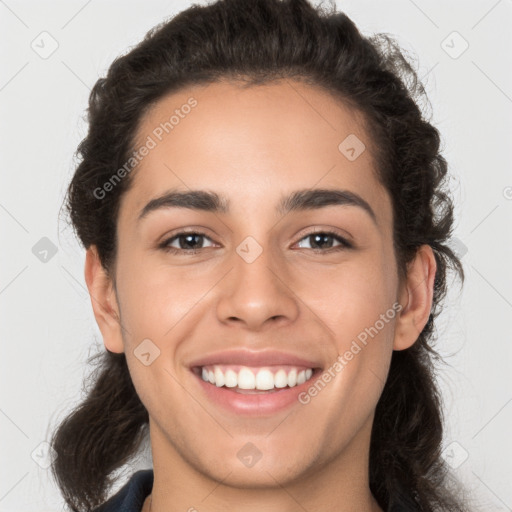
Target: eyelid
(196, 230)
(332, 230)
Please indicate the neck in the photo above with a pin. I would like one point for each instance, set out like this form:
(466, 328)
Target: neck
(146, 507)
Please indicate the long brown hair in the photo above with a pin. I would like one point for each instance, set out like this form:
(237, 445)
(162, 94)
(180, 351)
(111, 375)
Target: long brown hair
(259, 41)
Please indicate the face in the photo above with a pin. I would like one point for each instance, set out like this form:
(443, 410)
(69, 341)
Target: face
(252, 293)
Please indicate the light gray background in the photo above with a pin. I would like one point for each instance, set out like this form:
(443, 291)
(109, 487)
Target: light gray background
(47, 326)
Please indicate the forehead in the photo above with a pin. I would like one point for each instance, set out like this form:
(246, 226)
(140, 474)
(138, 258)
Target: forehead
(253, 143)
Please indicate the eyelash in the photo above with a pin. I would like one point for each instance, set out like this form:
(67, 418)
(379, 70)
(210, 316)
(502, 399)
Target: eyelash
(345, 244)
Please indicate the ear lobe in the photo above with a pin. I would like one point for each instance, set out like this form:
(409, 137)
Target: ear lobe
(103, 301)
(416, 296)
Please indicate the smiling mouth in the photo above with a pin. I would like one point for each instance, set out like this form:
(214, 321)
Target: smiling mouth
(255, 380)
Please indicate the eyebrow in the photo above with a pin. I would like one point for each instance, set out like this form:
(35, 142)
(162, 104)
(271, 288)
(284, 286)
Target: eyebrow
(299, 200)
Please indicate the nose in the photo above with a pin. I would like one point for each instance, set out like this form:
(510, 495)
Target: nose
(257, 293)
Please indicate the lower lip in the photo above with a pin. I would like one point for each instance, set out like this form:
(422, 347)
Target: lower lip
(254, 404)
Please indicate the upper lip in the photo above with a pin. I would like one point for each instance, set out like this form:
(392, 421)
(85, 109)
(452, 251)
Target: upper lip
(246, 357)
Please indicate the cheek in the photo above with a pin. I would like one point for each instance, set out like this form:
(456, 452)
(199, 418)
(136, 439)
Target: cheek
(349, 295)
(360, 313)
(155, 297)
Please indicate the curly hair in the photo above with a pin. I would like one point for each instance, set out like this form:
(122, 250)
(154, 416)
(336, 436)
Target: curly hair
(254, 43)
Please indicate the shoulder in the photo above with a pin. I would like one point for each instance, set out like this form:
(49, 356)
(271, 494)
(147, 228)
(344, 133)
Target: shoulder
(131, 496)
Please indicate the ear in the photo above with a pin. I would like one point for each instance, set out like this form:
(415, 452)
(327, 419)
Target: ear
(104, 301)
(416, 298)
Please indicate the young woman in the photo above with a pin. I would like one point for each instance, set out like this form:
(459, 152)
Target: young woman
(264, 211)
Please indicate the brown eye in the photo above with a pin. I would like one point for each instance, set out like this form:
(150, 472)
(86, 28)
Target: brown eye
(188, 242)
(323, 241)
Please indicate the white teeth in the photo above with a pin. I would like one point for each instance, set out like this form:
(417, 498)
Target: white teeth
(246, 379)
(219, 377)
(230, 379)
(292, 378)
(281, 380)
(262, 379)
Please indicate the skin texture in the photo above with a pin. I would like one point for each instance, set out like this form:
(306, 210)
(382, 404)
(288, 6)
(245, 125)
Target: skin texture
(253, 145)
